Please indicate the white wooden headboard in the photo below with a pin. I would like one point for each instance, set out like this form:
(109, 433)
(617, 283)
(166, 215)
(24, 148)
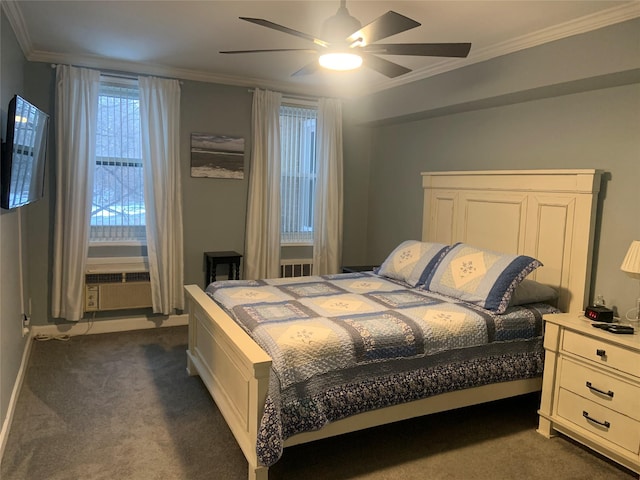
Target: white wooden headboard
(547, 214)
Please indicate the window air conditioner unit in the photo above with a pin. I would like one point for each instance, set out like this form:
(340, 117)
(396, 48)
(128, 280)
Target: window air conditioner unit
(117, 291)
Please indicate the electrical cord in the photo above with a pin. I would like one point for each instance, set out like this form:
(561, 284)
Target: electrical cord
(636, 309)
(635, 318)
(42, 337)
(64, 337)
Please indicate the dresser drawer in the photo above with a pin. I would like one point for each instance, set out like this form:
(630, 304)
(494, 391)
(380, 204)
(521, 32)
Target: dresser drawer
(602, 352)
(618, 429)
(605, 390)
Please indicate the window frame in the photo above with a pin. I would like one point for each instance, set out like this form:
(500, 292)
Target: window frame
(103, 241)
(311, 105)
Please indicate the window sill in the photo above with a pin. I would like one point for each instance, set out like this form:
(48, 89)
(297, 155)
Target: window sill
(116, 264)
(119, 243)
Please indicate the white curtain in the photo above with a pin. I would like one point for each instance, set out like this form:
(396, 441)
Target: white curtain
(262, 250)
(160, 119)
(327, 225)
(76, 120)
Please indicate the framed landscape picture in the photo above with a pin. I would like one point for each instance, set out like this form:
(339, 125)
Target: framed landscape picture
(217, 156)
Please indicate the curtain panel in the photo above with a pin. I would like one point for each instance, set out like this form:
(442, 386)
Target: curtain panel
(76, 119)
(262, 250)
(160, 131)
(328, 213)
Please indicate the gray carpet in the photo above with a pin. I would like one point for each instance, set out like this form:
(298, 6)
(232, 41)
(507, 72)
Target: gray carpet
(121, 406)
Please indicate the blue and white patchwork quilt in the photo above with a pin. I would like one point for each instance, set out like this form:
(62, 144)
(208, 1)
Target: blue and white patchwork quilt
(349, 343)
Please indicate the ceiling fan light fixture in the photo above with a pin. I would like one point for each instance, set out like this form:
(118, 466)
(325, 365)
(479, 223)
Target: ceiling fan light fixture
(345, 44)
(340, 61)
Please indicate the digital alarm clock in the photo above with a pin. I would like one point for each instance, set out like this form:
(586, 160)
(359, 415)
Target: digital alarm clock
(598, 313)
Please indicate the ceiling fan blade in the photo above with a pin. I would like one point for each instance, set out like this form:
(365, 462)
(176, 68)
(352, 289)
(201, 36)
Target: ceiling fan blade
(281, 28)
(383, 66)
(420, 49)
(307, 69)
(384, 26)
(309, 50)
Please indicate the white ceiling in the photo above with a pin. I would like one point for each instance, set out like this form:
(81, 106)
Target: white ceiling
(182, 38)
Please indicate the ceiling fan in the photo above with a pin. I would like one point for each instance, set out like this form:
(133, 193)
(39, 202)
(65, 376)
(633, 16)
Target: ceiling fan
(346, 44)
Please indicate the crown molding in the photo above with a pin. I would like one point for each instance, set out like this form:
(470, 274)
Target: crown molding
(16, 20)
(137, 68)
(587, 23)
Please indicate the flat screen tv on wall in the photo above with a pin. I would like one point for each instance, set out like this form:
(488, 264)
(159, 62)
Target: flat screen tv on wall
(23, 154)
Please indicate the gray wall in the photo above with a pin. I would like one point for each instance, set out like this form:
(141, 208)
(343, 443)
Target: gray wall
(573, 103)
(39, 85)
(563, 120)
(543, 107)
(597, 129)
(596, 59)
(357, 151)
(12, 343)
(214, 210)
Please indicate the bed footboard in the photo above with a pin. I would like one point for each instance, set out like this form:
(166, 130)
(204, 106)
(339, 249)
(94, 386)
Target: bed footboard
(234, 369)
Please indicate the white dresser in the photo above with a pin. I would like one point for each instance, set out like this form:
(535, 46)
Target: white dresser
(591, 387)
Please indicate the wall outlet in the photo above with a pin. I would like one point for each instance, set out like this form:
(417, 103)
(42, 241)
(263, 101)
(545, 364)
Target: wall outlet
(26, 320)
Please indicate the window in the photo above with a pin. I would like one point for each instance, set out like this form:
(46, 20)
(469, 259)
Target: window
(298, 173)
(118, 211)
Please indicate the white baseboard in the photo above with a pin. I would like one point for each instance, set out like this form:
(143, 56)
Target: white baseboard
(91, 327)
(17, 386)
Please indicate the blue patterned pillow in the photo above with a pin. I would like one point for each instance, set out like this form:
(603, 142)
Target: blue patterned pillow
(412, 261)
(481, 277)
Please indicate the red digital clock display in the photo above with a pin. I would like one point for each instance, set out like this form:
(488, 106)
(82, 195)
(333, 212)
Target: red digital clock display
(599, 313)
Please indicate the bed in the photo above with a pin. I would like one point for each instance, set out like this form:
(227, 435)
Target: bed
(546, 215)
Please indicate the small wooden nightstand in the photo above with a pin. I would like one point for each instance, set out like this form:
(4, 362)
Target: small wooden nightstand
(213, 259)
(358, 268)
(591, 387)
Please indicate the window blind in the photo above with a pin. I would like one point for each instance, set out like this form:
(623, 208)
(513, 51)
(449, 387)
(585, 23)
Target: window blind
(298, 173)
(118, 211)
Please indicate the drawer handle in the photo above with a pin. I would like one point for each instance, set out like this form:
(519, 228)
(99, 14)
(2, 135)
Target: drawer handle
(601, 353)
(603, 424)
(591, 387)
